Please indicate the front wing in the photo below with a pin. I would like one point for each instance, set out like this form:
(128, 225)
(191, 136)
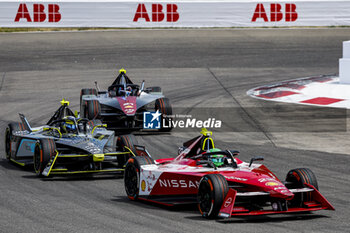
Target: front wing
(52, 169)
(228, 208)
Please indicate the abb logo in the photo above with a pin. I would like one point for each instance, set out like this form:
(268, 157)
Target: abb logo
(39, 14)
(276, 13)
(157, 13)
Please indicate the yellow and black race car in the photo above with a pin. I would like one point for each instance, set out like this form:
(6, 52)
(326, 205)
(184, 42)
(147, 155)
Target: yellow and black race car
(68, 145)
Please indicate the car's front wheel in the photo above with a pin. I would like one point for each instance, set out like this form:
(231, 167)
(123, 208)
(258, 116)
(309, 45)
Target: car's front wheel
(212, 191)
(297, 178)
(132, 175)
(44, 150)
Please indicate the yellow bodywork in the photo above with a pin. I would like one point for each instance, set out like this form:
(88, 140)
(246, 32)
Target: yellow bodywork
(98, 157)
(63, 102)
(205, 132)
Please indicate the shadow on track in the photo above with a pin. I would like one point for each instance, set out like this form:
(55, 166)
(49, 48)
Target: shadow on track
(150, 205)
(264, 218)
(13, 166)
(86, 177)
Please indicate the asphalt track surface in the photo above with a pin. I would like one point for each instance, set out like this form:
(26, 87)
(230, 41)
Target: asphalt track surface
(195, 68)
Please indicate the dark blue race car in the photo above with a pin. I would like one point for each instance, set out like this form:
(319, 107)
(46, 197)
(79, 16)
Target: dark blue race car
(68, 145)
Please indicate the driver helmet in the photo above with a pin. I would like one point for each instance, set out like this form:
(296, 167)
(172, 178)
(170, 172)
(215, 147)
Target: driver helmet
(217, 159)
(67, 127)
(128, 90)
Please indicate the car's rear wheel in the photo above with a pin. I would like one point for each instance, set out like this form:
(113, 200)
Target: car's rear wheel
(8, 143)
(92, 109)
(212, 191)
(132, 175)
(44, 150)
(12, 127)
(297, 178)
(164, 107)
(87, 91)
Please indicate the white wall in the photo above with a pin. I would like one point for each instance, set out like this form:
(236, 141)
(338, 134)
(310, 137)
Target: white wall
(195, 13)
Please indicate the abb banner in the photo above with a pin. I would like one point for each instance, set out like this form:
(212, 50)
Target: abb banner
(195, 13)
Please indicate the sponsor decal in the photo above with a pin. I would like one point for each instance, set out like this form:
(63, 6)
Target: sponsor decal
(272, 184)
(158, 13)
(228, 202)
(276, 13)
(235, 178)
(151, 120)
(39, 15)
(262, 180)
(172, 183)
(128, 105)
(143, 185)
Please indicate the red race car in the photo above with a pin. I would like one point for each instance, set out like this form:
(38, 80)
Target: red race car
(220, 183)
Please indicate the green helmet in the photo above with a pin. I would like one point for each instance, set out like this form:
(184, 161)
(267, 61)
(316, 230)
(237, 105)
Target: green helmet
(217, 159)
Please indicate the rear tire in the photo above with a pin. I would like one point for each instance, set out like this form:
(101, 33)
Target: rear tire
(87, 91)
(12, 127)
(92, 109)
(164, 106)
(132, 175)
(297, 178)
(212, 191)
(44, 150)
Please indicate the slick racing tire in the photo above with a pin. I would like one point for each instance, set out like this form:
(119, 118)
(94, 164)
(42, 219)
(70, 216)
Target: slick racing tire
(212, 191)
(12, 127)
(92, 109)
(128, 141)
(132, 175)
(94, 123)
(296, 178)
(44, 150)
(87, 91)
(164, 107)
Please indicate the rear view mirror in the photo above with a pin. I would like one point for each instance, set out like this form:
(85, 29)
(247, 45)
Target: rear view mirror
(259, 158)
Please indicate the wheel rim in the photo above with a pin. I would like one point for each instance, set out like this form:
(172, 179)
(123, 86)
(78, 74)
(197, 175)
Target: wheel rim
(205, 198)
(37, 163)
(8, 143)
(131, 181)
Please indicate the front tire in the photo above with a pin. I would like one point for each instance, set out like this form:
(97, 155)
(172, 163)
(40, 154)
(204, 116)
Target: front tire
(132, 175)
(212, 191)
(44, 150)
(297, 178)
(129, 141)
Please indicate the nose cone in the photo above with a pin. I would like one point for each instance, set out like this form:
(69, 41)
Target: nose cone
(128, 105)
(277, 189)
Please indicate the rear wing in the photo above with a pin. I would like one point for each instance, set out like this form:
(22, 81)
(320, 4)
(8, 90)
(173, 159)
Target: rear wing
(25, 122)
